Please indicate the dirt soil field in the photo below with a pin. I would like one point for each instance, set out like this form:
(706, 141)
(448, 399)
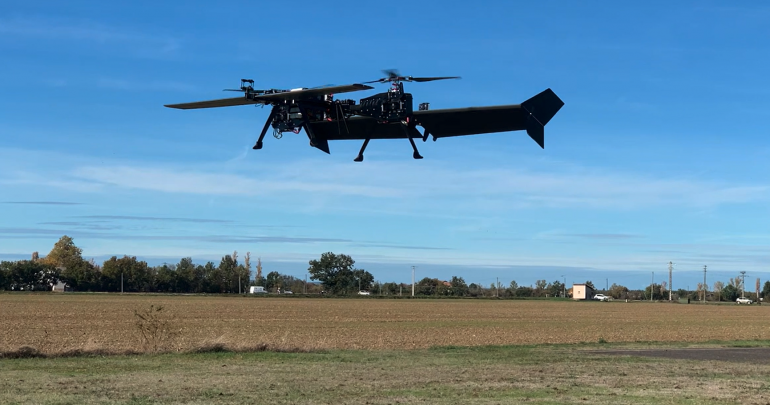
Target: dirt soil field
(55, 323)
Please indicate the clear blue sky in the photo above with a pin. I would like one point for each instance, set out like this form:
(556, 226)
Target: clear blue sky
(659, 154)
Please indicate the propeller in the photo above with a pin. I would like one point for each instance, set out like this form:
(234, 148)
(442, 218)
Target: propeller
(394, 76)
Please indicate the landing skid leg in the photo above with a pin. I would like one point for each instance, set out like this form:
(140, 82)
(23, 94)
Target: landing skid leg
(416, 154)
(360, 157)
(258, 145)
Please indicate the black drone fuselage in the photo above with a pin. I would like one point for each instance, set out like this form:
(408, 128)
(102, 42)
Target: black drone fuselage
(388, 107)
(386, 115)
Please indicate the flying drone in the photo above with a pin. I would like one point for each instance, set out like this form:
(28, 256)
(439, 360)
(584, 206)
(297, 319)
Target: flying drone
(387, 115)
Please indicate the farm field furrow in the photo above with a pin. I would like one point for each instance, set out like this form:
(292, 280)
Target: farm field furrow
(55, 323)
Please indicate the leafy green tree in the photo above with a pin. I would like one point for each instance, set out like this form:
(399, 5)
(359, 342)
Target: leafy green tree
(273, 281)
(30, 275)
(166, 279)
(475, 290)
(136, 274)
(618, 291)
(555, 289)
(362, 280)
(459, 288)
(390, 289)
(656, 292)
(5, 276)
(426, 286)
(731, 292)
(229, 274)
(211, 281)
(74, 270)
(64, 253)
(524, 291)
(337, 273)
(189, 277)
(590, 284)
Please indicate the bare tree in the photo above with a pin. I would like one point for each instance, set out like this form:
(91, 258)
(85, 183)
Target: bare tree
(757, 289)
(718, 286)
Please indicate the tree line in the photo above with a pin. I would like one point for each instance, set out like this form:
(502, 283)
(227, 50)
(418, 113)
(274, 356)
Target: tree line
(333, 274)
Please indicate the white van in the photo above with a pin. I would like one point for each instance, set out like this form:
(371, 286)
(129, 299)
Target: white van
(257, 290)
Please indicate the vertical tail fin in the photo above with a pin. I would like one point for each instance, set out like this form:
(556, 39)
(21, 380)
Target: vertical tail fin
(541, 108)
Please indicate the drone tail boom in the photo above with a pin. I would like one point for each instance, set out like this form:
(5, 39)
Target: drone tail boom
(540, 109)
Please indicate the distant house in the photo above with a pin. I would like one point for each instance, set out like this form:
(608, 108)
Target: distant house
(60, 287)
(582, 292)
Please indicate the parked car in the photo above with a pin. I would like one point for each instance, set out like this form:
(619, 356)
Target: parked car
(743, 301)
(602, 297)
(363, 293)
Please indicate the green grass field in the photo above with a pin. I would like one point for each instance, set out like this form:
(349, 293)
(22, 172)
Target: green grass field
(548, 374)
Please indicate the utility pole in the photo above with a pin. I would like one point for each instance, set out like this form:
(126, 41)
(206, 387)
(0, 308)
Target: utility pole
(606, 285)
(239, 284)
(743, 284)
(304, 290)
(564, 286)
(412, 281)
(121, 282)
(704, 284)
(670, 282)
(497, 294)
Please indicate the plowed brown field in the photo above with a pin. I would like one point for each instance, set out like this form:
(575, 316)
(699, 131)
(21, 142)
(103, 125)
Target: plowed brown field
(54, 323)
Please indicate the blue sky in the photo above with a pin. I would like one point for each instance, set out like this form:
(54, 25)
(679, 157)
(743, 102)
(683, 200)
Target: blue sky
(659, 154)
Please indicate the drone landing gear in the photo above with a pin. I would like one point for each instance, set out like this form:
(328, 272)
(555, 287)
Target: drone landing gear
(360, 157)
(258, 145)
(416, 154)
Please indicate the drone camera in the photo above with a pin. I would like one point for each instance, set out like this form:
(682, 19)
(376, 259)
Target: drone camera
(423, 106)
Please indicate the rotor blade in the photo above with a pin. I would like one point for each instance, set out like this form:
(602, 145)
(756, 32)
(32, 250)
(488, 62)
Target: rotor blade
(247, 91)
(308, 94)
(224, 102)
(429, 79)
(391, 73)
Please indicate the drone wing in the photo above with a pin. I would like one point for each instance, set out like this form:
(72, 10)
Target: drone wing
(304, 94)
(222, 102)
(531, 115)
